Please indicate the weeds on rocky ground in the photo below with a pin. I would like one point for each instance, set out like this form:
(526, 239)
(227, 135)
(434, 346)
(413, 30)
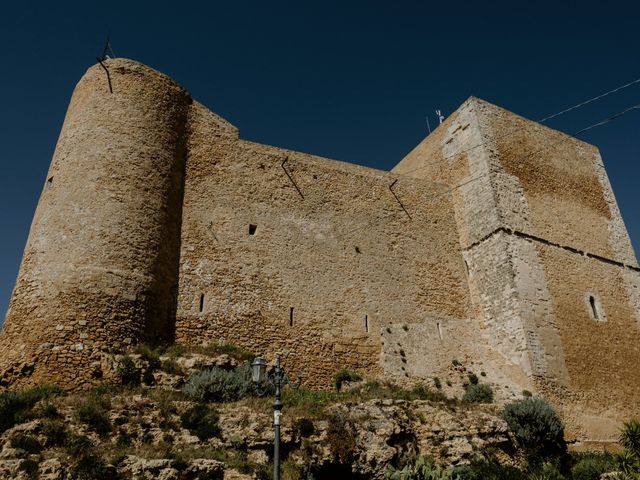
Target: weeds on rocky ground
(94, 413)
(16, 406)
(202, 421)
(478, 393)
(344, 376)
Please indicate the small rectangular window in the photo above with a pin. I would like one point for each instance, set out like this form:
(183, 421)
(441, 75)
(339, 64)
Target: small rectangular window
(201, 302)
(366, 323)
(49, 183)
(252, 229)
(291, 317)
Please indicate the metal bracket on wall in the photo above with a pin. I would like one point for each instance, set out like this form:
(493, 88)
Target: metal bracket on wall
(105, 56)
(106, 70)
(286, 159)
(397, 199)
(213, 234)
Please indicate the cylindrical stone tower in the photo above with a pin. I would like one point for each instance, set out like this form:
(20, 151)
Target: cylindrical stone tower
(100, 269)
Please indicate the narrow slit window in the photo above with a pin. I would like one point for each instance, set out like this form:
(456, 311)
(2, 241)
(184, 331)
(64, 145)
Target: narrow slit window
(466, 267)
(439, 325)
(291, 317)
(594, 307)
(366, 323)
(252, 229)
(201, 302)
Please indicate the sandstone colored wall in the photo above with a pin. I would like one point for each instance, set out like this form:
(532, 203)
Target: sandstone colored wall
(101, 263)
(341, 252)
(492, 242)
(547, 240)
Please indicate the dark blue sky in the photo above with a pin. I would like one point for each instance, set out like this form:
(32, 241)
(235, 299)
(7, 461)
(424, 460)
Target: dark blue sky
(351, 80)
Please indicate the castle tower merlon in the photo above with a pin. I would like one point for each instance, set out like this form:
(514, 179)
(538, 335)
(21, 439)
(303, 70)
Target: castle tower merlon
(100, 269)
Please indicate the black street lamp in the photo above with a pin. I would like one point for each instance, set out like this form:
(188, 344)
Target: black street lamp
(278, 378)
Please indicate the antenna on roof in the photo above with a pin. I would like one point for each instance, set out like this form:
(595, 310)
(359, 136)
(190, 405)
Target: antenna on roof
(440, 116)
(107, 52)
(428, 126)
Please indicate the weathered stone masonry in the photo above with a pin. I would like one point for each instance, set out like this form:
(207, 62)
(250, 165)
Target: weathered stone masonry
(496, 241)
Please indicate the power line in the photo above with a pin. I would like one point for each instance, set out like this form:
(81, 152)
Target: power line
(607, 120)
(591, 100)
(513, 132)
(525, 157)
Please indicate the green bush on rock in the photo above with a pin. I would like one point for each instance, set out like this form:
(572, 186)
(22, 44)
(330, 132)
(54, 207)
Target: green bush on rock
(536, 427)
(218, 385)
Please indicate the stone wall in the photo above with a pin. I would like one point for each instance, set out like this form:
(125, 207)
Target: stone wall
(334, 260)
(552, 272)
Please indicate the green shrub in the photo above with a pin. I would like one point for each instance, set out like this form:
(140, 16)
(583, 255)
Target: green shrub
(28, 443)
(91, 467)
(202, 421)
(219, 385)
(229, 349)
(149, 355)
(423, 392)
(455, 362)
(345, 375)
(175, 350)
(627, 463)
(437, 383)
(30, 467)
(304, 427)
(94, 415)
(591, 465)
(473, 378)
(78, 445)
(102, 390)
(124, 438)
(527, 393)
(422, 469)
(128, 373)
(549, 471)
(479, 393)
(488, 469)
(630, 437)
(55, 432)
(16, 406)
(536, 427)
(172, 367)
(45, 409)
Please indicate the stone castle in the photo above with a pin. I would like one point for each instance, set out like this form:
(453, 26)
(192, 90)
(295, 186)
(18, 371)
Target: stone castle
(496, 242)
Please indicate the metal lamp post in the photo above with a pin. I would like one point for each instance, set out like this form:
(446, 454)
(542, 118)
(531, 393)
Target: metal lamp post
(278, 378)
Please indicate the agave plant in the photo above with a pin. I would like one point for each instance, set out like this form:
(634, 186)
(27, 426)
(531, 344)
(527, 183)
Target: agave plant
(627, 463)
(630, 437)
(423, 469)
